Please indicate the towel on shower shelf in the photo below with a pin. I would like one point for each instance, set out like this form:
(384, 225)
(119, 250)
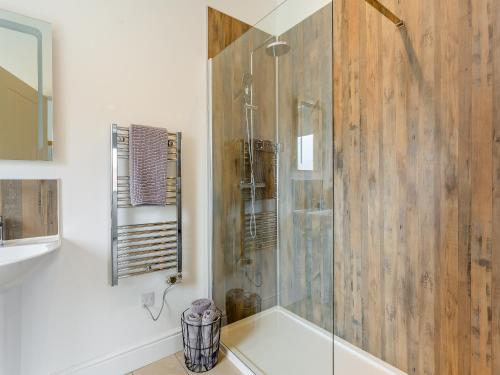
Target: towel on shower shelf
(148, 149)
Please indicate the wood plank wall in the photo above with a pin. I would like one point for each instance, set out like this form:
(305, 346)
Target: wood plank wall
(222, 31)
(417, 184)
(29, 208)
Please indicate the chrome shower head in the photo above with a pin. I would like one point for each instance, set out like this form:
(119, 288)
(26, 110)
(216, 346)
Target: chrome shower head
(277, 48)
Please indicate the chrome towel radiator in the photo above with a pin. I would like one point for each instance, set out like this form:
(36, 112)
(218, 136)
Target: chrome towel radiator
(138, 249)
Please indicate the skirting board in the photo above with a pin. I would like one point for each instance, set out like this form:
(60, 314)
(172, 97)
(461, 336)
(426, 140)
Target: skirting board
(131, 359)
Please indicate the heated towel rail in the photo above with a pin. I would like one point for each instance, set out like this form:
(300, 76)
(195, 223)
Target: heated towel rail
(138, 249)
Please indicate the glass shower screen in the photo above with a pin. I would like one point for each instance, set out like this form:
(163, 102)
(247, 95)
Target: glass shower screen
(272, 176)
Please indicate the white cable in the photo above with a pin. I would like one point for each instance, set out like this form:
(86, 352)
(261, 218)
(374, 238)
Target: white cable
(162, 304)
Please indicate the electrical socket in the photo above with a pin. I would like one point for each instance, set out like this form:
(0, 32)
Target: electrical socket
(148, 299)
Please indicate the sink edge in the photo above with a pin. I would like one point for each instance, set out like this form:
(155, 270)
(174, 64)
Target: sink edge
(47, 245)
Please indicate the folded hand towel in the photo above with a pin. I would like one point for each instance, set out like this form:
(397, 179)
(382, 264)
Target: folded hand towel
(200, 305)
(210, 332)
(192, 336)
(209, 316)
(148, 150)
(193, 318)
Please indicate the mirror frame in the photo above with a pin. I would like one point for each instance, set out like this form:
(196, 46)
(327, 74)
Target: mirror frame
(38, 35)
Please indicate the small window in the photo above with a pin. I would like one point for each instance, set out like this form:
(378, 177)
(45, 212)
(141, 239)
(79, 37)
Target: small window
(305, 150)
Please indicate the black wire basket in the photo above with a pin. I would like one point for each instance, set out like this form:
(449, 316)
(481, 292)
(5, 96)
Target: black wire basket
(201, 343)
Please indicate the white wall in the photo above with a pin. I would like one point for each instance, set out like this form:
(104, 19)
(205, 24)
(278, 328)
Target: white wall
(289, 13)
(294, 12)
(125, 61)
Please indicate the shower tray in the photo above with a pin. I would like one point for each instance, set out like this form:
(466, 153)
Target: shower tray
(278, 342)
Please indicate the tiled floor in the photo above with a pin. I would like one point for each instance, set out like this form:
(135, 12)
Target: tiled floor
(174, 365)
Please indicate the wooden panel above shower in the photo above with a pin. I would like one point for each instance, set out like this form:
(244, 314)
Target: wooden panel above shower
(222, 31)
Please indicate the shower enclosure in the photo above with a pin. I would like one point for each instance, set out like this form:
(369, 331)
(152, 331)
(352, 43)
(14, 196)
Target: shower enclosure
(414, 161)
(272, 189)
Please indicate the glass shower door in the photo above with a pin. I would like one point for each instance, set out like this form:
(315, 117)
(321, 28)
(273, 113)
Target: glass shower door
(305, 131)
(272, 147)
(244, 177)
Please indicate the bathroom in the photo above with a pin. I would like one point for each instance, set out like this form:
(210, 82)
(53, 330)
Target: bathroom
(331, 187)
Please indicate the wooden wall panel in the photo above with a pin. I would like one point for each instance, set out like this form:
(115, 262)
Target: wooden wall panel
(495, 257)
(29, 208)
(222, 31)
(416, 176)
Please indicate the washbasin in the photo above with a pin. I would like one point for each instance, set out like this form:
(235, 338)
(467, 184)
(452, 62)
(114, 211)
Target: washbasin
(19, 258)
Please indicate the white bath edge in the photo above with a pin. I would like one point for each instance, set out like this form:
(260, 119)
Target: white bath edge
(349, 359)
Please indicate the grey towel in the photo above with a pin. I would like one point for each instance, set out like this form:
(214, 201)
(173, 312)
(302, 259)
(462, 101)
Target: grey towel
(193, 318)
(209, 331)
(148, 149)
(194, 341)
(200, 305)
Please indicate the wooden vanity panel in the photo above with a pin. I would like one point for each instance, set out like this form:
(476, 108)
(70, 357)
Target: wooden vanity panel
(29, 208)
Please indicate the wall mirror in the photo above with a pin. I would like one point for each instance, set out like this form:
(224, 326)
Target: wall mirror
(26, 107)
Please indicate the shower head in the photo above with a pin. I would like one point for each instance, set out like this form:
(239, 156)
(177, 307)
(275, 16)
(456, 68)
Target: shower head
(277, 48)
